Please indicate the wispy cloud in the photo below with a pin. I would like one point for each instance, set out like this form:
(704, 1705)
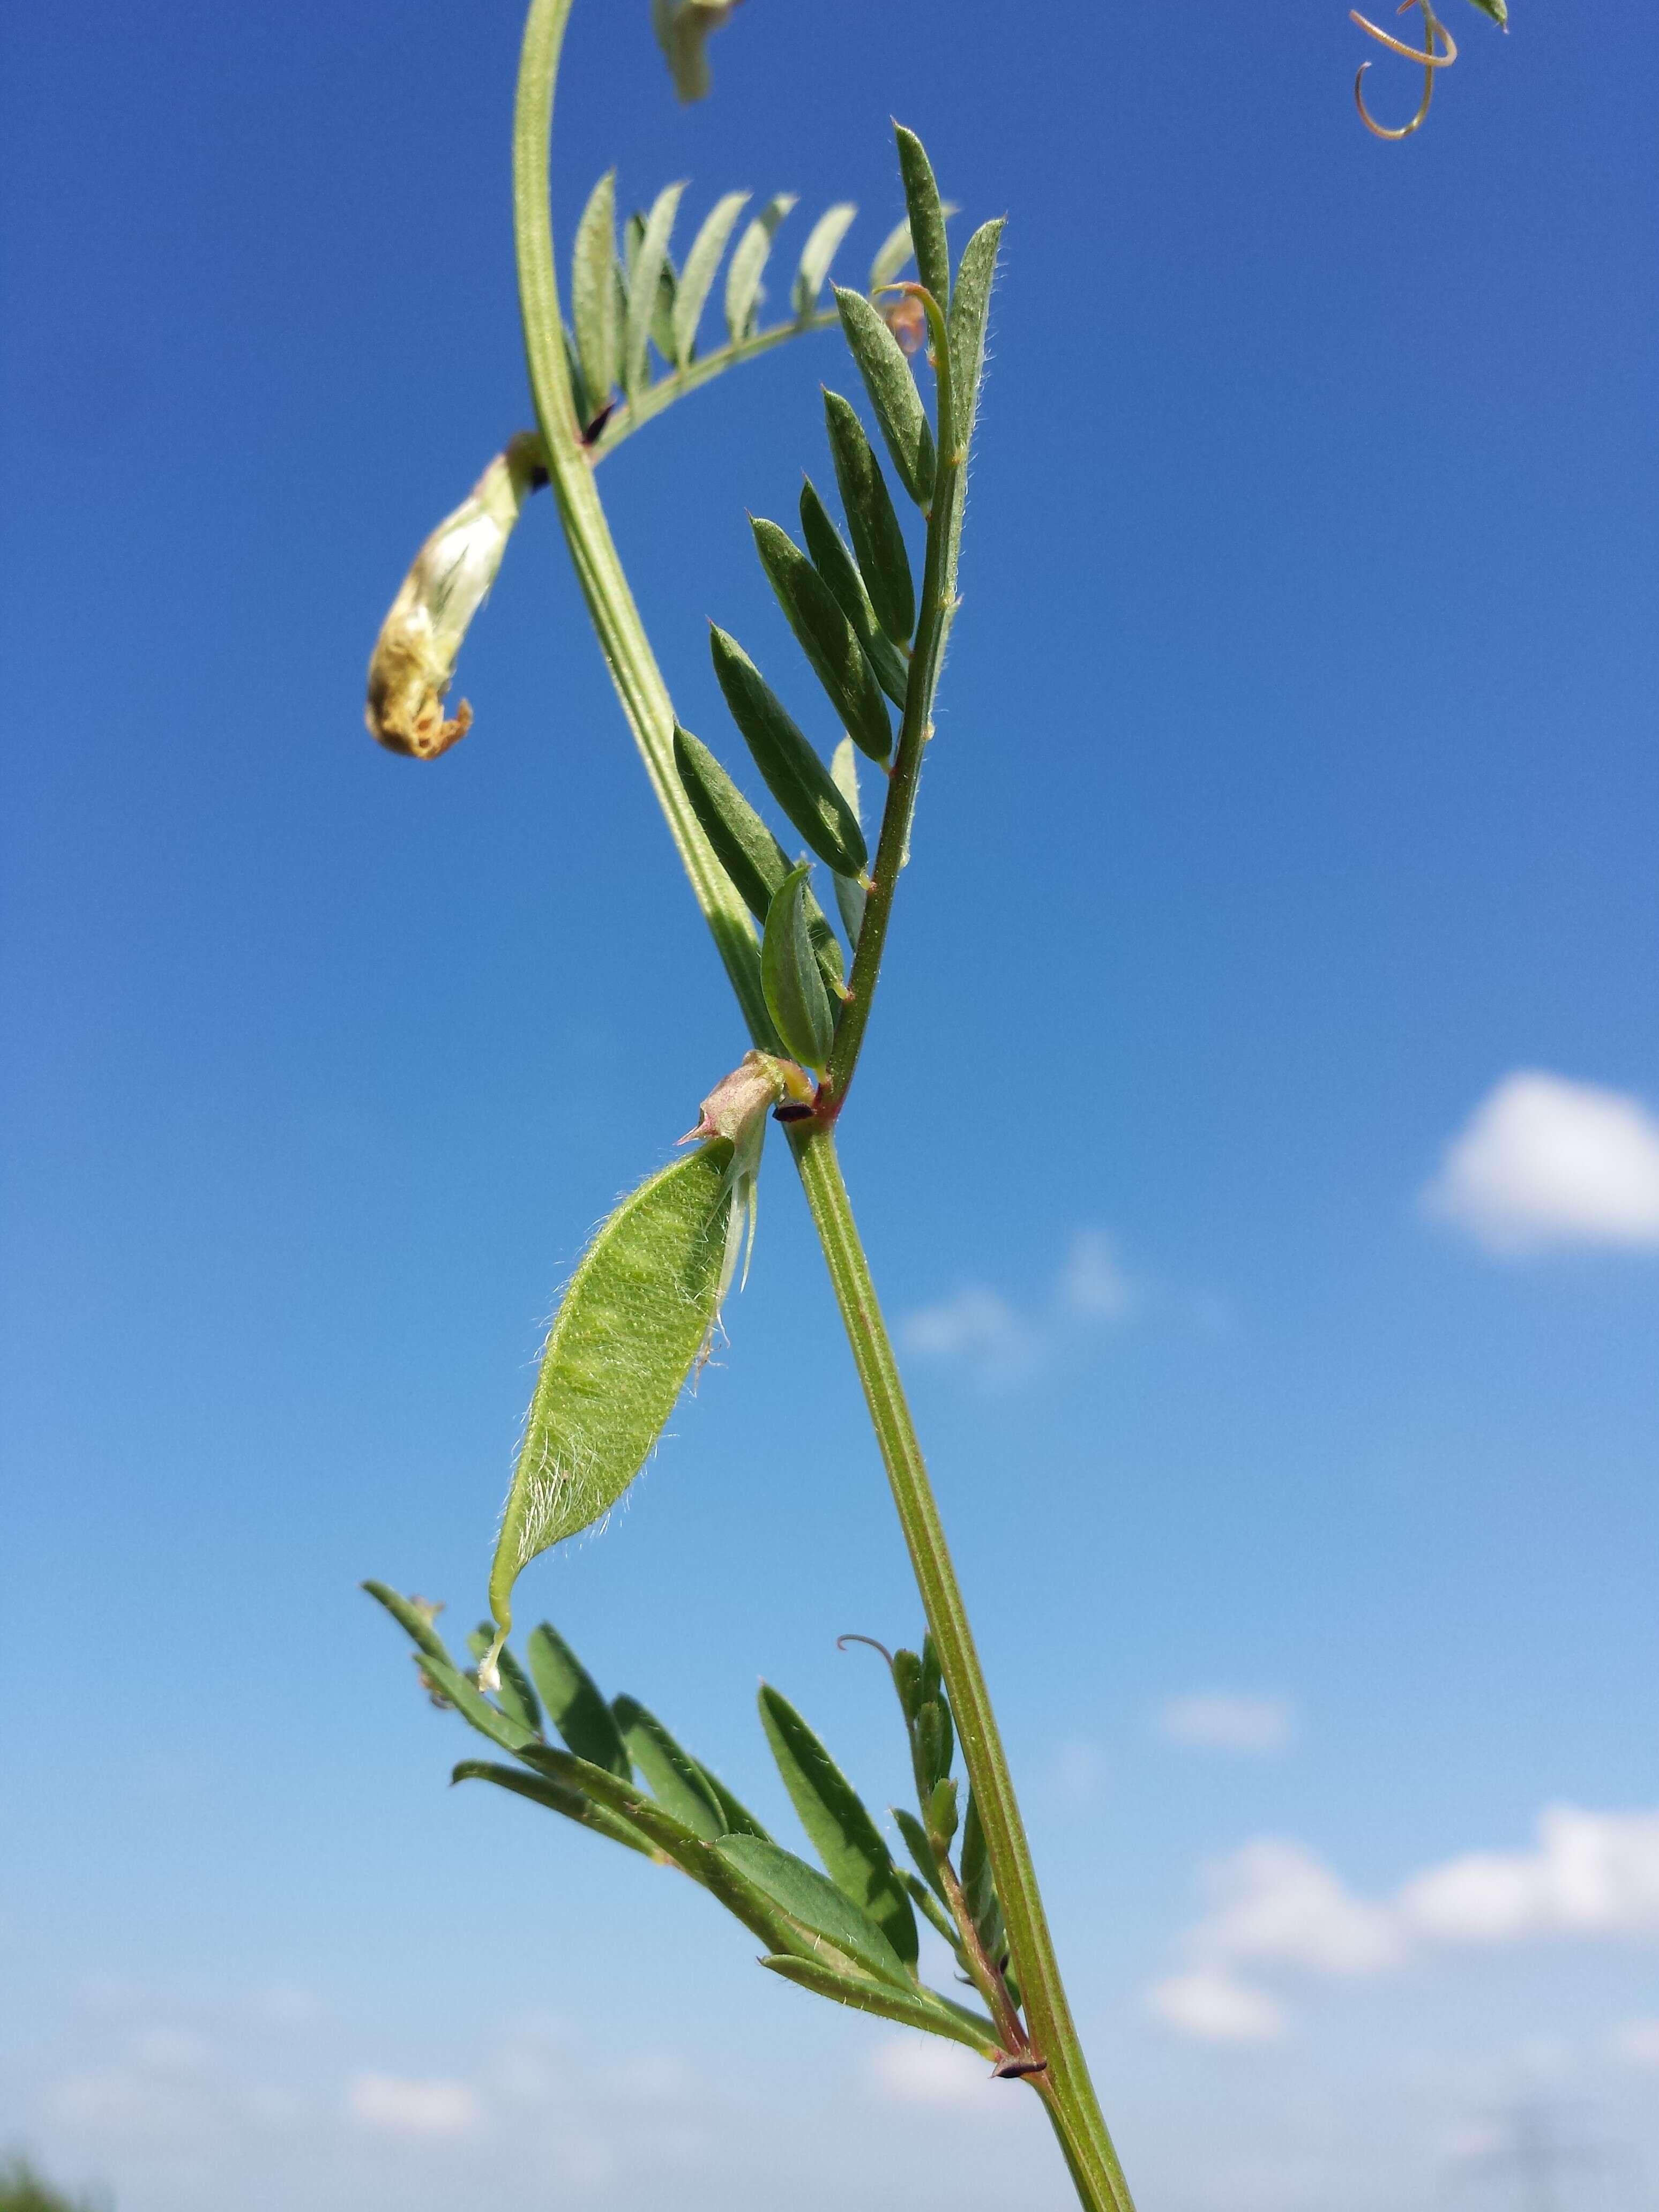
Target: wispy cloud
(1223, 1720)
(979, 1328)
(1210, 2004)
(1636, 2043)
(910, 2070)
(396, 2106)
(1543, 1162)
(1276, 1906)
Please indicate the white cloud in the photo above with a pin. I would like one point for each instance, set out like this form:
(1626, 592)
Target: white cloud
(412, 2108)
(1221, 1721)
(1636, 2043)
(978, 1327)
(1277, 1906)
(1544, 1162)
(1093, 1283)
(1209, 2004)
(1593, 1874)
(915, 2070)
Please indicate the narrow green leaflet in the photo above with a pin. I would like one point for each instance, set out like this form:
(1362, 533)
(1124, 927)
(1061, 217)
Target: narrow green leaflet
(1496, 9)
(469, 1701)
(876, 539)
(892, 255)
(827, 638)
(893, 394)
(414, 1624)
(850, 894)
(638, 1310)
(833, 1814)
(743, 278)
(557, 1799)
(644, 273)
(698, 276)
(978, 1889)
(747, 850)
(794, 774)
(575, 1704)
(677, 1782)
(514, 1692)
(969, 311)
(934, 1913)
(840, 571)
(810, 1898)
(927, 215)
(700, 1860)
(914, 2008)
(915, 1840)
(593, 302)
(819, 251)
(934, 1743)
(795, 996)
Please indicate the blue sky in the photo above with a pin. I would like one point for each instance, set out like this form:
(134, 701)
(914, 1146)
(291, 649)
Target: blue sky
(1256, 1142)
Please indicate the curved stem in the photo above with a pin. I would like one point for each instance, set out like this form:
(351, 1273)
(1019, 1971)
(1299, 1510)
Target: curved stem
(570, 471)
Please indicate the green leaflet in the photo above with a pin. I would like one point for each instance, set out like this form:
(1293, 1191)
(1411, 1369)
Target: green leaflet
(833, 1814)
(941, 1810)
(637, 1312)
(926, 215)
(680, 1783)
(811, 1899)
(827, 638)
(892, 255)
(978, 1889)
(743, 278)
(908, 1681)
(593, 292)
(698, 276)
(701, 1861)
(645, 271)
(840, 571)
(414, 1624)
(794, 774)
(463, 1693)
(915, 1840)
(850, 896)
(819, 251)
(746, 849)
(893, 394)
(876, 539)
(934, 1744)
(1496, 9)
(932, 1912)
(574, 1703)
(912, 2008)
(969, 310)
(795, 996)
(514, 1692)
(557, 1799)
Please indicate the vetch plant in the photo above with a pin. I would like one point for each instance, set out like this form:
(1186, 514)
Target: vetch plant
(873, 620)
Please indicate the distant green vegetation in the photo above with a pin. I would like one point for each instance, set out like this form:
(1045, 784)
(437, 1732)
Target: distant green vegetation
(22, 2190)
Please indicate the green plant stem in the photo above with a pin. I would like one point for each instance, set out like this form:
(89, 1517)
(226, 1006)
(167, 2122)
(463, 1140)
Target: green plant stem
(1064, 2085)
(570, 472)
(667, 389)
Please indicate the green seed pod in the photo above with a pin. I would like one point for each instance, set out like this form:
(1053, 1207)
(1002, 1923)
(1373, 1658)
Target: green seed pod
(638, 1310)
(795, 996)
(797, 778)
(876, 539)
(893, 393)
(827, 638)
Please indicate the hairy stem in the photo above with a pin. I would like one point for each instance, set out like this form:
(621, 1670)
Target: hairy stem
(1064, 2084)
